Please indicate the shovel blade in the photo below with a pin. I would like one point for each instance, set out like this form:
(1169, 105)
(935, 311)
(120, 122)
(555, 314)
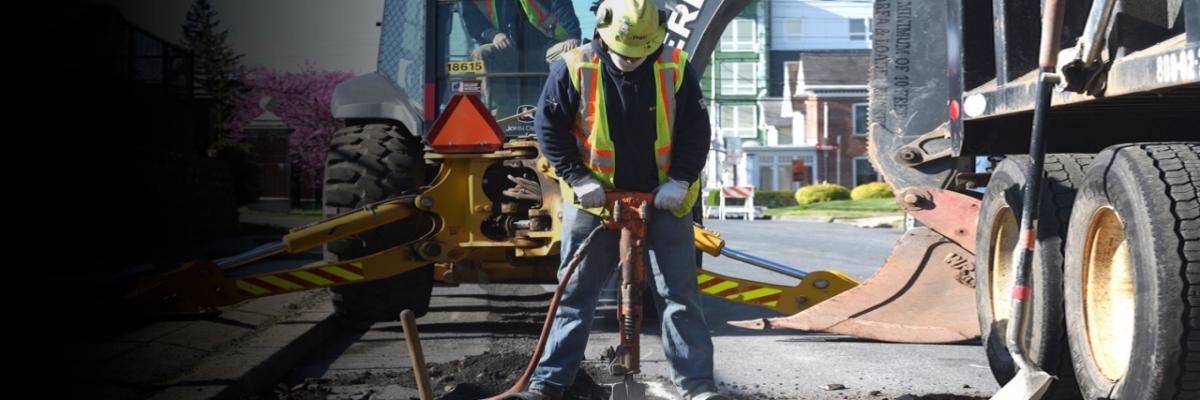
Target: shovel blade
(1025, 385)
(629, 390)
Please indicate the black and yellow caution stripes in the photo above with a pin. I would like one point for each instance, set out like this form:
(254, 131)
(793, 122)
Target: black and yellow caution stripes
(290, 281)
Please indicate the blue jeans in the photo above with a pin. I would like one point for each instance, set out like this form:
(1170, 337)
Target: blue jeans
(685, 338)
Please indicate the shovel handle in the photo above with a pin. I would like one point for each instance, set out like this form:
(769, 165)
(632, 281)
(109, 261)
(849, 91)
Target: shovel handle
(1023, 254)
(409, 322)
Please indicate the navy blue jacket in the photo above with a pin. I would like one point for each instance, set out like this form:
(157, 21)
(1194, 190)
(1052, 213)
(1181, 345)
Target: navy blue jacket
(512, 17)
(631, 119)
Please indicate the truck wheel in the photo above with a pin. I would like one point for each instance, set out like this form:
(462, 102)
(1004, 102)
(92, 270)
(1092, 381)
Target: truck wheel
(1133, 274)
(999, 224)
(368, 163)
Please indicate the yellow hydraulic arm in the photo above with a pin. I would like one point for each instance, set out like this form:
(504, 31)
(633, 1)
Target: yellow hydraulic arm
(814, 287)
(198, 286)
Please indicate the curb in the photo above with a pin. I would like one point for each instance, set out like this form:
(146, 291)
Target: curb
(258, 363)
(882, 221)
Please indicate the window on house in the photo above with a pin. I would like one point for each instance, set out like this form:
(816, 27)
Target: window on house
(783, 173)
(739, 35)
(738, 78)
(775, 172)
(739, 121)
(864, 172)
(784, 136)
(858, 29)
(860, 119)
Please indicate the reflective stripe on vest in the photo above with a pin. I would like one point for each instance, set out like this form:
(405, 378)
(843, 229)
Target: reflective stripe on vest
(591, 129)
(538, 15)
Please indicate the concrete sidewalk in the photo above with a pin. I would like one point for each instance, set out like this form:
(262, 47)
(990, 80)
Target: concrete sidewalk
(95, 346)
(222, 356)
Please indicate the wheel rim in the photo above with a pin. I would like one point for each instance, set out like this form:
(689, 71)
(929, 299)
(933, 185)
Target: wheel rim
(1108, 294)
(1004, 240)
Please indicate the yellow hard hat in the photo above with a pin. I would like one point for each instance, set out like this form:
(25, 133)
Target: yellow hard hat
(632, 28)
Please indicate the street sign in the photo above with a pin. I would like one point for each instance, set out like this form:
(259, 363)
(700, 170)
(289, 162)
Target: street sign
(826, 146)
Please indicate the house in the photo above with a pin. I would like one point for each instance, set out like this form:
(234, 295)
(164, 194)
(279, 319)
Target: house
(813, 111)
(826, 95)
(788, 84)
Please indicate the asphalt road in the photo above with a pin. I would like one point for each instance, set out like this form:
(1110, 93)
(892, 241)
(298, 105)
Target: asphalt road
(473, 319)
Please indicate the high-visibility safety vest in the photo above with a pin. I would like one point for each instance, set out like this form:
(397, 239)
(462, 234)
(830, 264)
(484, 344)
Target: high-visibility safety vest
(591, 126)
(539, 16)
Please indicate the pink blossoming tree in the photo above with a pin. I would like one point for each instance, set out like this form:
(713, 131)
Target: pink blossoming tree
(302, 101)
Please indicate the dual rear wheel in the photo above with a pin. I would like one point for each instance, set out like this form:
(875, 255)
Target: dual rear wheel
(1116, 275)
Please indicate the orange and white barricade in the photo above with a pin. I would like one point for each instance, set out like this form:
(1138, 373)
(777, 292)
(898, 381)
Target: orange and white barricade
(737, 192)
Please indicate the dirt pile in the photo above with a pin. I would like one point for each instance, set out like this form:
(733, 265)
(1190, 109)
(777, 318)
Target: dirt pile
(487, 374)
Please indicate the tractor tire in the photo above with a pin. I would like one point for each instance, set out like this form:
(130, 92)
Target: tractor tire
(1132, 277)
(999, 224)
(367, 163)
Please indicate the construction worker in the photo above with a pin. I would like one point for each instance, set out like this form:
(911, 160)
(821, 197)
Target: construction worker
(625, 112)
(519, 36)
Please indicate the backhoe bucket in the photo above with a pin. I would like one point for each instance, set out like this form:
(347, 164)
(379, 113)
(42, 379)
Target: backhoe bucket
(923, 293)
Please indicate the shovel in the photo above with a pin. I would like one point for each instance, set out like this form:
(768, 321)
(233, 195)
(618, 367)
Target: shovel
(629, 389)
(1031, 382)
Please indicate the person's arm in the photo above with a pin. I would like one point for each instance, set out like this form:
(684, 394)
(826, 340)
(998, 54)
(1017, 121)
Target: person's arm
(689, 148)
(477, 24)
(565, 12)
(553, 122)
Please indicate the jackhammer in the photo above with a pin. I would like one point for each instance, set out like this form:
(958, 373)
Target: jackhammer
(631, 215)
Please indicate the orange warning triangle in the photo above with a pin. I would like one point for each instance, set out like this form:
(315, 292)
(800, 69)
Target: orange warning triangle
(465, 127)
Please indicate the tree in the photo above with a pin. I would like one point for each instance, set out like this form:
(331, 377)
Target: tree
(218, 68)
(302, 100)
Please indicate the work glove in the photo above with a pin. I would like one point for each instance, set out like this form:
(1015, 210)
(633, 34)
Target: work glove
(669, 195)
(589, 192)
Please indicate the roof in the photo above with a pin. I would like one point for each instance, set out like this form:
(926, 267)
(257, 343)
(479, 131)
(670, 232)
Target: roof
(830, 68)
(772, 109)
(267, 121)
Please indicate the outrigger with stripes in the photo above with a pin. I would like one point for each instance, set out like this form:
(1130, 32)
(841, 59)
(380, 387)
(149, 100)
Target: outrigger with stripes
(591, 127)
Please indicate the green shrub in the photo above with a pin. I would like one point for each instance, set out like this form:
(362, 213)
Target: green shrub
(821, 192)
(774, 199)
(872, 190)
(765, 198)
